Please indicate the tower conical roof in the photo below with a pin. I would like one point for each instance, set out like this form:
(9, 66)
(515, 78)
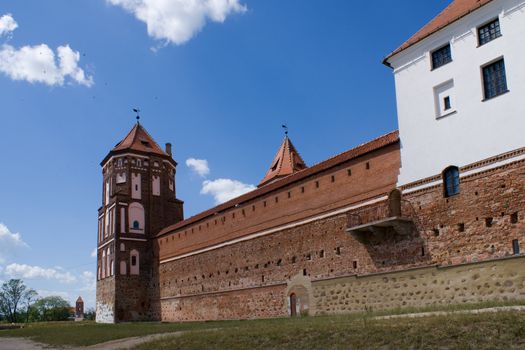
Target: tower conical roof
(286, 162)
(138, 139)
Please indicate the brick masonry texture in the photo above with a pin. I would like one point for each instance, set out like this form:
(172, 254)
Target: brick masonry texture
(338, 240)
(126, 297)
(339, 268)
(347, 183)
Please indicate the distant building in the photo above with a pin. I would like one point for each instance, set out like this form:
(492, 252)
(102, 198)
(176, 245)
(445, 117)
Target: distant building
(79, 309)
(430, 215)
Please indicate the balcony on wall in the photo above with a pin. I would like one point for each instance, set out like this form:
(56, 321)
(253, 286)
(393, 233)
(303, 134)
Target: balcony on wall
(382, 220)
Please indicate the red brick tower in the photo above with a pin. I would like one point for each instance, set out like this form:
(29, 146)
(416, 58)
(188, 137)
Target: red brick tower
(138, 200)
(79, 309)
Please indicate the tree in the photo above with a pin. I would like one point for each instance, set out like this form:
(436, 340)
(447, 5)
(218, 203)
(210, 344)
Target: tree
(90, 314)
(52, 308)
(11, 293)
(29, 297)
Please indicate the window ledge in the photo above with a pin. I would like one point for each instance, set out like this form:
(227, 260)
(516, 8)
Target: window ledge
(446, 114)
(488, 42)
(493, 97)
(444, 64)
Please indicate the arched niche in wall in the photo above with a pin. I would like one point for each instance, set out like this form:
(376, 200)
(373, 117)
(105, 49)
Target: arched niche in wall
(136, 218)
(394, 202)
(134, 268)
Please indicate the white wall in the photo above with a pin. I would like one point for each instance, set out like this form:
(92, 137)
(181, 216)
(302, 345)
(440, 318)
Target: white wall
(478, 129)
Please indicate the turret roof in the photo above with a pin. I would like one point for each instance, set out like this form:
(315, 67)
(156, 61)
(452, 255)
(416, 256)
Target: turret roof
(286, 162)
(138, 139)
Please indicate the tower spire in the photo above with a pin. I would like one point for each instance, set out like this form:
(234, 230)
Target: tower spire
(286, 162)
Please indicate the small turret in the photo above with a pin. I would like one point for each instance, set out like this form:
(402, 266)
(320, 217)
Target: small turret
(286, 162)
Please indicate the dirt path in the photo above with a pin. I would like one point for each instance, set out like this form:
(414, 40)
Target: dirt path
(126, 343)
(20, 344)
(459, 312)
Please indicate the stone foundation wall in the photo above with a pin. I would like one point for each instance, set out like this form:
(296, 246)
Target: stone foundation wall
(470, 283)
(105, 307)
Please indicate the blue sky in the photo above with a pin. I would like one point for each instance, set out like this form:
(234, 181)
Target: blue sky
(217, 86)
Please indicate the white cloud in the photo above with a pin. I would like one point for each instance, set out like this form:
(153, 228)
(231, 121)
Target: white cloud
(89, 282)
(39, 64)
(33, 272)
(177, 21)
(7, 24)
(94, 253)
(9, 242)
(47, 293)
(223, 190)
(200, 166)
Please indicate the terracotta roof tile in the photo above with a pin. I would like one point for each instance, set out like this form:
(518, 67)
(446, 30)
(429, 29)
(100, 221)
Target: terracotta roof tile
(380, 142)
(286, 162)
(138, 139)
(453, 12)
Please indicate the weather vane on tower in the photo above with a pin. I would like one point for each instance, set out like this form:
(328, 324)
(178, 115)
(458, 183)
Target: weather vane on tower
(136, 110)
(285, 127)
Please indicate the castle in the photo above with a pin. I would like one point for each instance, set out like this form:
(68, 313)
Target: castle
(427, 215)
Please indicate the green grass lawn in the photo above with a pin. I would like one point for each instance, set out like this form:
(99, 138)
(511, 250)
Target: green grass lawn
(89, 333)
(503, 330)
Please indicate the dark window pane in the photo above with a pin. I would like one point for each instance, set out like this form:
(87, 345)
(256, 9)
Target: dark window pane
(516, 247)
(446, 102)
(489, 32)
(441, 56)
(494, 79)
(451, 178)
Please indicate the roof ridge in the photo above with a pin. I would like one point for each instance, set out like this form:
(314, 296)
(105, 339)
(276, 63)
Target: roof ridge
(456, 10)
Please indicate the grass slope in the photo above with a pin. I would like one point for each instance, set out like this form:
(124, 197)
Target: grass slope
(505, 330)
(354, 331)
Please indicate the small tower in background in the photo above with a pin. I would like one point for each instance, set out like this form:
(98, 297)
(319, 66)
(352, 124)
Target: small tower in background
(138, 200)
(79, 309)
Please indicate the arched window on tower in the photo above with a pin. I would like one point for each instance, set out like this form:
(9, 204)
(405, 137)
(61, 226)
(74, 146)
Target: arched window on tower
(451, 181)
(136, 217)
(108, 265)
(103, 263)
(135, 261)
